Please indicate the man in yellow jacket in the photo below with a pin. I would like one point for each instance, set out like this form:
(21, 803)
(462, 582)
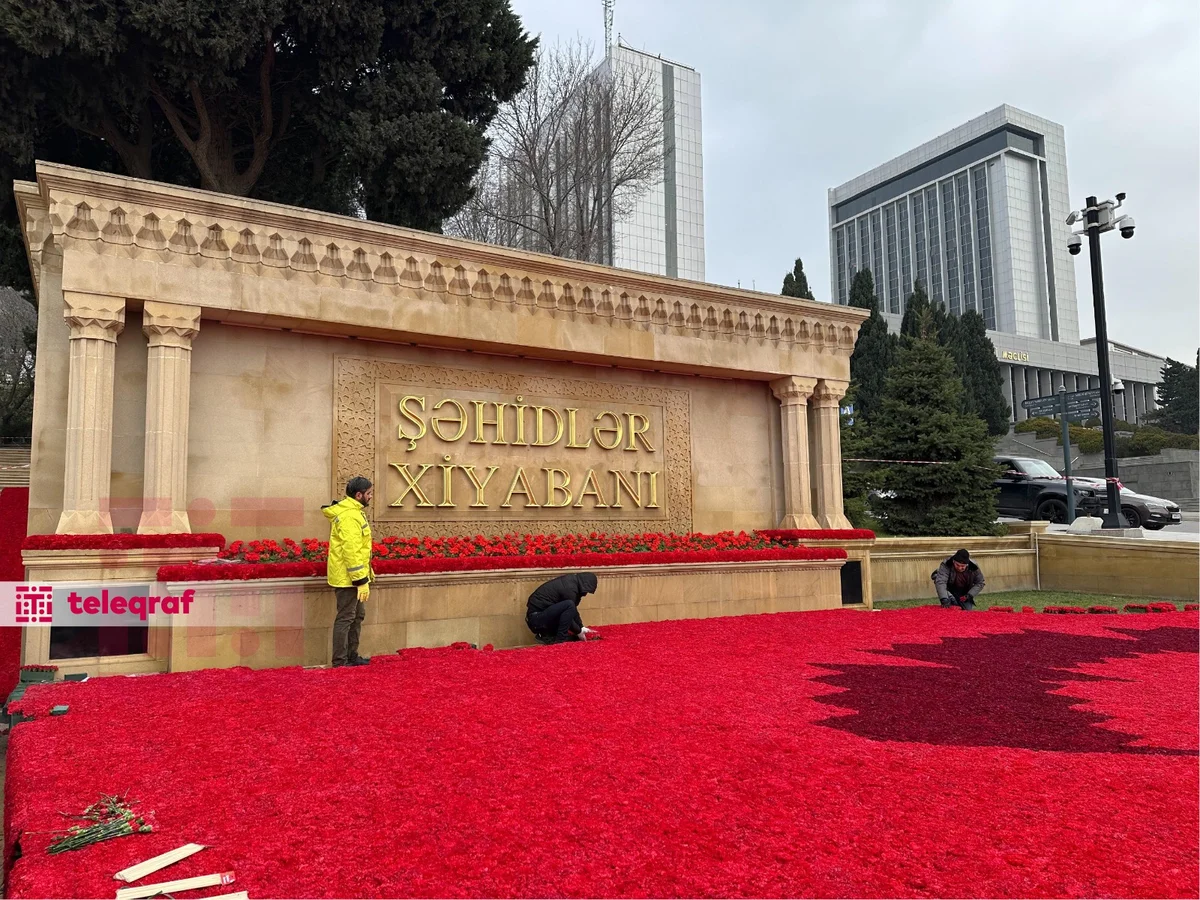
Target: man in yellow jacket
(349, 568)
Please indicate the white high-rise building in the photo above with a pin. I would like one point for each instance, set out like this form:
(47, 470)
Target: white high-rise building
(978, 217)
(665, 233)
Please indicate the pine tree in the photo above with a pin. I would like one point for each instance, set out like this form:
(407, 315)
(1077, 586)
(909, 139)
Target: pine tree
(795, 283)
(873, 352)
(924, 318)
(973, 352)
(1179, 397)
(921, 418)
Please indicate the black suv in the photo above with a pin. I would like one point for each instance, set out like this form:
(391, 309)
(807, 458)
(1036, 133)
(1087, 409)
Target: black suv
(1033, 489)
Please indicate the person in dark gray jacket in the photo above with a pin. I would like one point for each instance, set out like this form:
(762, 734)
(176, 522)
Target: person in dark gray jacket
(552, 612)
(958, 581)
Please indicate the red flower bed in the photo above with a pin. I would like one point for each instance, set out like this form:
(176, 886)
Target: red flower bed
(508, 545)
(1159, 607)
(1102, 609)
(14, 517)
(746, 756)
(1191, 607)
(1065, 610)
(120, 541)
(390, 566)
(816, 534)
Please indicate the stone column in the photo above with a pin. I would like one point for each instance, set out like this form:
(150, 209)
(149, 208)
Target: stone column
(170, 329)
(1006, 387)
(793, 394)
(94, 321)
(1019, 397)
(827, 453)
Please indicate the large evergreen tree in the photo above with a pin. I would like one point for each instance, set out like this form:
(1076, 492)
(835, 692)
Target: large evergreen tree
(921, 419)
(1179, 397)
(983, 380)
(795, 283)
(873, 351)
(379, 106)
(973, 352)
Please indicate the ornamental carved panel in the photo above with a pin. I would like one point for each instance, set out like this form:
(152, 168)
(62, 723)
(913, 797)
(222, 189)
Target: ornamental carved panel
(453, 451)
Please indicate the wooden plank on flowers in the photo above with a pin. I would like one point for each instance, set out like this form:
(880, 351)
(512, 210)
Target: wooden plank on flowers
(171, 887)
(150, 866)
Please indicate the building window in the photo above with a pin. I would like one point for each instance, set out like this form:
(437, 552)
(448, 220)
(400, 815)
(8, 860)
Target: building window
(893, 269)
(877, 255)
(951, 244)
(841, 265)
(851, 253)
(983, 238)
(965, 250)
(905, 253)
(920, 248)
(935, 246)
(864, 246)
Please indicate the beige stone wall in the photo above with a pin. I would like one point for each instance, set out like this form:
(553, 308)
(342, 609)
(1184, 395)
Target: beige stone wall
(900, 567)
(483, 608)
(262, 418)
(278, 292)
(260, 444)
(1147, 568)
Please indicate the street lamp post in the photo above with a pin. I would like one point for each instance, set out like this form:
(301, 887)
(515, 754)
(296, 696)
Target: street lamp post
(1097, 218)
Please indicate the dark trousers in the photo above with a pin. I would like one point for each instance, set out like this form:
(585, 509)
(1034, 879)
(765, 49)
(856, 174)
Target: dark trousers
(346, 625)
(961, 602)
(559, 621)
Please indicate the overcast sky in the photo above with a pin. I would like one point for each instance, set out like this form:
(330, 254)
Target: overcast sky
(801, 95)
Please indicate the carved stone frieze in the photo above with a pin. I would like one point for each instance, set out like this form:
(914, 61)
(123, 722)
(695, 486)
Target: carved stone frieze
(134, 219)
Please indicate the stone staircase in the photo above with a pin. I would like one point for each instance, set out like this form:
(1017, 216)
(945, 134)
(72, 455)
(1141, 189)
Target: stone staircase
(14, 467)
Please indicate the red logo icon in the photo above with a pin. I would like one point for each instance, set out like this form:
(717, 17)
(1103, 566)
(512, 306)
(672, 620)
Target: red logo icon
(33, 604)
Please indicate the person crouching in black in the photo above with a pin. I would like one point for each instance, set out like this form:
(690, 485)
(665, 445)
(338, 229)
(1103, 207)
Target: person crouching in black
(552, 612)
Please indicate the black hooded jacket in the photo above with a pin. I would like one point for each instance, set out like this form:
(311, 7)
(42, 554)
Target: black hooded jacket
(571, 587)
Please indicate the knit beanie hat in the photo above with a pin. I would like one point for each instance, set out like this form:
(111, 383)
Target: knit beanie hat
(962, 556)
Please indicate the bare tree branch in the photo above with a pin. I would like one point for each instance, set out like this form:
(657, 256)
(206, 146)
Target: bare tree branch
(570, 156)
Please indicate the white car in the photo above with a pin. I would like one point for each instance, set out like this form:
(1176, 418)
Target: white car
(1139, 510)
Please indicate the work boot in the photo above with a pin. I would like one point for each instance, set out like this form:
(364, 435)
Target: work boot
(359, 661)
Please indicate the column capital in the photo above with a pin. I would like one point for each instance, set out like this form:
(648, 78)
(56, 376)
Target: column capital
(170, 324)
(829, 392)
(96, 316)
(793, 389)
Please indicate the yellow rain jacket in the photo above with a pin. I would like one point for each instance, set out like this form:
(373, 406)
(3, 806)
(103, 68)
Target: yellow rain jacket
(349, 563)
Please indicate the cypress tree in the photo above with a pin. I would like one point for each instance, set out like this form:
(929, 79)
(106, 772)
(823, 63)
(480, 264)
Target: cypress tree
(983, 381)
(1179, 409)
(921, 418)
(873, 351)
(973, 352)
(795, 283)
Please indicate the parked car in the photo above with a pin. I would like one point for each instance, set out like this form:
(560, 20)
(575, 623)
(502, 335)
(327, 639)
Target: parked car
(1139, 510)
(1033, 489)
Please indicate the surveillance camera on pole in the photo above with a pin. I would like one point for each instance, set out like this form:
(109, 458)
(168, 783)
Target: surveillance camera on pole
(1096, 218)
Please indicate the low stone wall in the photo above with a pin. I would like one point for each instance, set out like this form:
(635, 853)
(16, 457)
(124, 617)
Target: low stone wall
(282, 622)
(1171, 474)
(62, 567)
(900, 567)
(1134, 567)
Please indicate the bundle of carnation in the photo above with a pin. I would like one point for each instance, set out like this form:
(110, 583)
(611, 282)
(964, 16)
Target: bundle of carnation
(111, 817)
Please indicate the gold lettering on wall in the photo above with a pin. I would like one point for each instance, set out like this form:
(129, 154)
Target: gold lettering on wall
(457, 450)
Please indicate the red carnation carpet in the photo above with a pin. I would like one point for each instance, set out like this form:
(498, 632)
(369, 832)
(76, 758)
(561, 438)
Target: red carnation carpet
(823, 754)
